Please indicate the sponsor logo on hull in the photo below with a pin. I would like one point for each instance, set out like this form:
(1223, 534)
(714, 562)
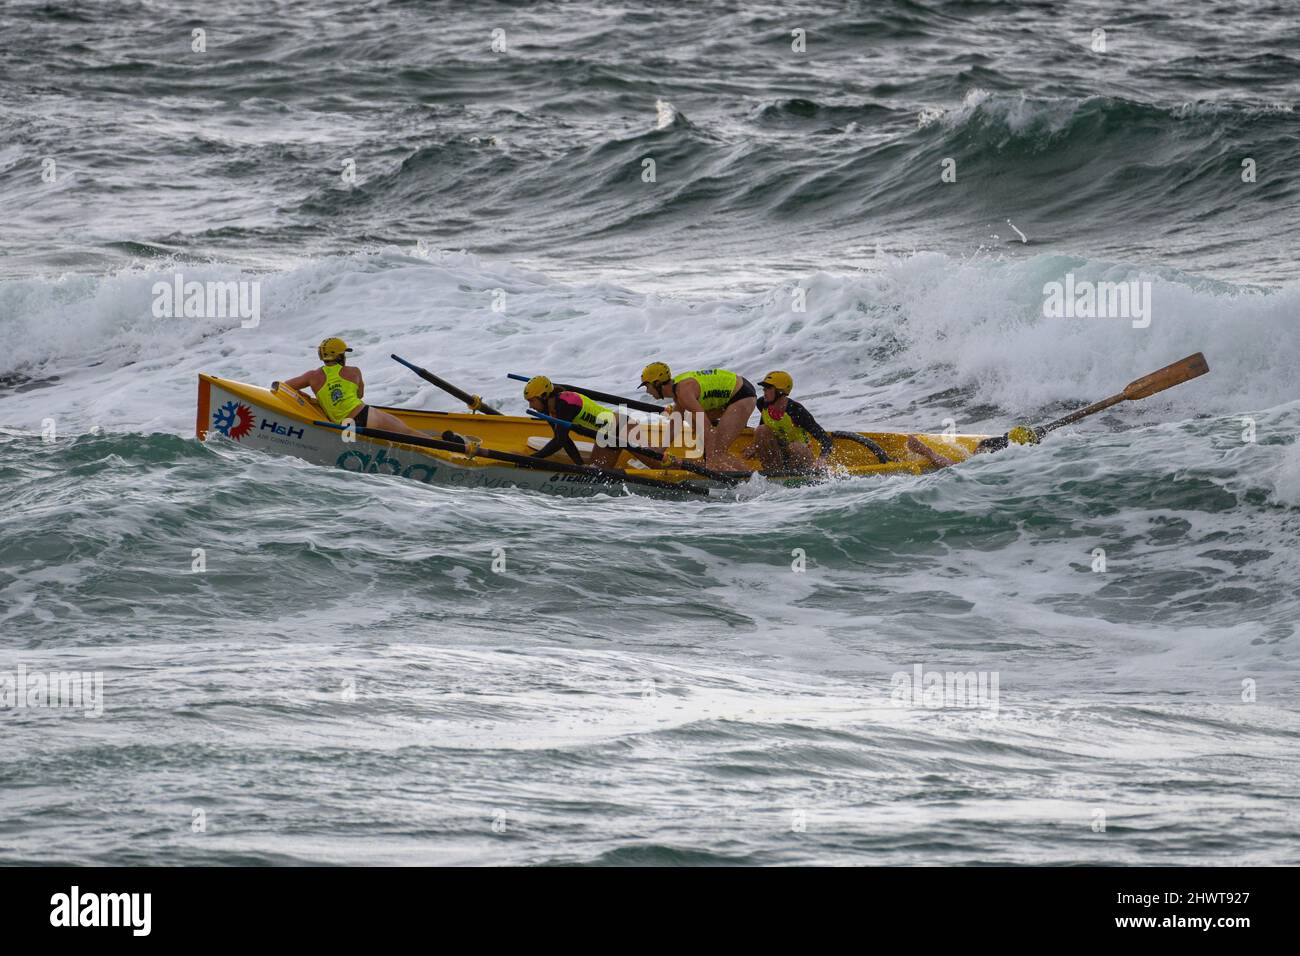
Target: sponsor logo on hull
(286, 430)
(381, 463)
(233, 419)
(239, 420)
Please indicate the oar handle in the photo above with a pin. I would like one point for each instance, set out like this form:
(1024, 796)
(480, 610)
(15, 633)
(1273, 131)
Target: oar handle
(598, 396)
(473, 401)
(1073, 417)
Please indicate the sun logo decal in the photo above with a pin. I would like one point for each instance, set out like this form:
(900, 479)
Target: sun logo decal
(233, 419)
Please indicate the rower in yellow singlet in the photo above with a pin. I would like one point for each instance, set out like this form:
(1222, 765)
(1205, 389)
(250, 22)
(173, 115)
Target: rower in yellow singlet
(784, 436)
(340, 388)
(725, 399)
(583, 411)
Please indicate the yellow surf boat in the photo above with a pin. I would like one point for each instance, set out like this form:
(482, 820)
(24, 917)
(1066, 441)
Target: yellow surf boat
(288, 422)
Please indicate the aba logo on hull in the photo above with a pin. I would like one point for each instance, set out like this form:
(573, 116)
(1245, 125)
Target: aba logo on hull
(233, 419)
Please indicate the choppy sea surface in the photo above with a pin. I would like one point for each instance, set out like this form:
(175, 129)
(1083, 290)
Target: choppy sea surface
(366, 670)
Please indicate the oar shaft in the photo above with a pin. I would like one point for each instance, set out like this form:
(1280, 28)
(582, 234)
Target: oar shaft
(636, 449)
(588, 433)
(522, 461)
(598, 396)
(1073, 417)
(1175, 373)
(473, 401)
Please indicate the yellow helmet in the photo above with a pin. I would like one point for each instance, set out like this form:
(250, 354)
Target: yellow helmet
(781, 381)
(538, 386)
(655, 373)
(331, 350)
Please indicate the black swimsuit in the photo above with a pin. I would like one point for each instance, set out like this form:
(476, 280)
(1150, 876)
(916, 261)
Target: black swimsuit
(745, 391)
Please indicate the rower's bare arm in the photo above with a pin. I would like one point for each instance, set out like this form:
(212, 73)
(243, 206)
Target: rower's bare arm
(688, 397)
(921, 448)
(298, 382)
(688, 403)
(361, 383)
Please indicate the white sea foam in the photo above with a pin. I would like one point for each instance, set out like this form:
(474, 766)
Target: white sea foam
(666, 114)
(1286, 478)
(875, 346)
(1018, 111)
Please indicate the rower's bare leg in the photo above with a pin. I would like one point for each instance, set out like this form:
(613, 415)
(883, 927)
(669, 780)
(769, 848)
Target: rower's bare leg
(649, 460)
(798, 456)
(390, 423)
(639, 434)
(769, 449)
(722, 434)
(605, 457)
(656, 433)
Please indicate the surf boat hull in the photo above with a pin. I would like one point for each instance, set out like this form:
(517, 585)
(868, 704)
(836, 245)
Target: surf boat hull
(287, 422)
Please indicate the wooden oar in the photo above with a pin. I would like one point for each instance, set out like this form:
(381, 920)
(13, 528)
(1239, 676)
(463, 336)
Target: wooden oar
(718, 476)
(1183, 370)
(522, 461)
(598, 396)
(473, 401)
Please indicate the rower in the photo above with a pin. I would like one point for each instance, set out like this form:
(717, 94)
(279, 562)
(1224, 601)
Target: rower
(782, 439)
(339, 388)
(582, 411)
(723, 399)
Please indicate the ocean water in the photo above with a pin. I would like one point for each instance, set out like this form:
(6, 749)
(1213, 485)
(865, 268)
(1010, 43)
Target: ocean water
(367, 670)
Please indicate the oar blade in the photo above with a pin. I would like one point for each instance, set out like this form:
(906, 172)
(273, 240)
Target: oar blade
(1181, 371)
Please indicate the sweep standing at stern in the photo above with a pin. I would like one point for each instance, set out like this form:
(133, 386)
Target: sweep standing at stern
(340, 387)
(724, 398)
(786, 429)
